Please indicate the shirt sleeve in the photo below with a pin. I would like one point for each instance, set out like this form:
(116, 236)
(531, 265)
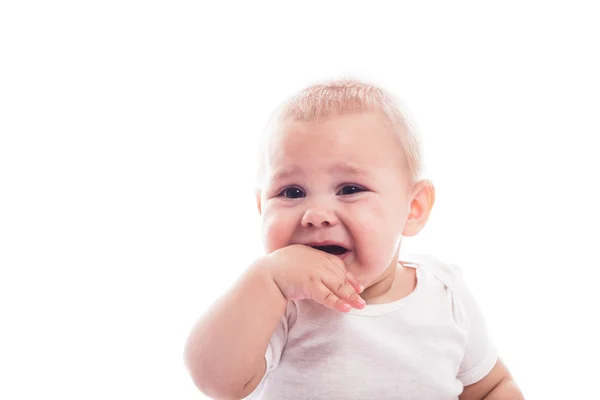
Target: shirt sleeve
(279, 338)
(480, 353)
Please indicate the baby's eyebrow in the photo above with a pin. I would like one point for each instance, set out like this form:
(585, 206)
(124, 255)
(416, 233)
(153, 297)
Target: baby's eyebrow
(343, 168)
(287, 171)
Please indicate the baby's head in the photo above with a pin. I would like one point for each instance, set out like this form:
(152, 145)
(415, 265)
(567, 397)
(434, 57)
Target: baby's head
(340, 166)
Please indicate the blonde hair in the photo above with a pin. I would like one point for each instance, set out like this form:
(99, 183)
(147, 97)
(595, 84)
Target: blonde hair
(345, 96)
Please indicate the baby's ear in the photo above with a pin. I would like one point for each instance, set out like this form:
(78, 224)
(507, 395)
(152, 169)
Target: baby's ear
(422, 202)
(258, 198)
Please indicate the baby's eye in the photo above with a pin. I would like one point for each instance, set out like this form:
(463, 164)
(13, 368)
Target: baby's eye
(293, 193)
(350, 189)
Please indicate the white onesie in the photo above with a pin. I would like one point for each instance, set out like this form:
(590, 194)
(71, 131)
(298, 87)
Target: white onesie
(424, 346)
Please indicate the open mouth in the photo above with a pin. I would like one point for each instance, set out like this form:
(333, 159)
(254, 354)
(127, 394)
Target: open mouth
(332, 249)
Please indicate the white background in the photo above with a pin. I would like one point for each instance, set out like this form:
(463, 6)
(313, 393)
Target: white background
(128, 134)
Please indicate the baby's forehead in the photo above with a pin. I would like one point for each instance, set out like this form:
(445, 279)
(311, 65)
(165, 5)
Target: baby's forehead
(316, 105)
(354, 131)
(339, 128)
(352, 145)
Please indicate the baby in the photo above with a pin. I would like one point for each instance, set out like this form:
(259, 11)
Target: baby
(332, 312)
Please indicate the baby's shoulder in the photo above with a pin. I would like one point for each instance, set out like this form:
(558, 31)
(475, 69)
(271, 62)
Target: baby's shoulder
(447, 273)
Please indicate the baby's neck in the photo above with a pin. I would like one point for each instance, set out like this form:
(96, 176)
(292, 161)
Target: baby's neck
(396, 283)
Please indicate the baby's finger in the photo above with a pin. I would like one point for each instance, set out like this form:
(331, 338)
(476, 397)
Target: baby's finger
(354, 282)
(330, 300)
(344, 290)
(337, 266)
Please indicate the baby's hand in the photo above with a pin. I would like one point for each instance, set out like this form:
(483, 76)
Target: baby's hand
(302, 272)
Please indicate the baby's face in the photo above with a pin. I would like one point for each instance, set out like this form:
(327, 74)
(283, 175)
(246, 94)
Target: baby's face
(340, 182)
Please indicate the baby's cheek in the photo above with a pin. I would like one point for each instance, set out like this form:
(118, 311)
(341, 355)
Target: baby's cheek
(276, 233)
(378, 241)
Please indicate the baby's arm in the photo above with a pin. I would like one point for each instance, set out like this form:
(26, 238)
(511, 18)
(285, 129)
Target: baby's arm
(497, 385)
(225, 352)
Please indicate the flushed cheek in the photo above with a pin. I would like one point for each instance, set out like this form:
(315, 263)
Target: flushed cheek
(373, 257)
(277, 231)
(376, 249)
(376, 239)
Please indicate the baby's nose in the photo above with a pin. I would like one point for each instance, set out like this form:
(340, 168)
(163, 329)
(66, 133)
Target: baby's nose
(319, 218)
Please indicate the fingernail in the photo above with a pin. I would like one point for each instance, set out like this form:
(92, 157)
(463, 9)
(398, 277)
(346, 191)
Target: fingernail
(347, 307)
(361, 288)
(362, 301)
